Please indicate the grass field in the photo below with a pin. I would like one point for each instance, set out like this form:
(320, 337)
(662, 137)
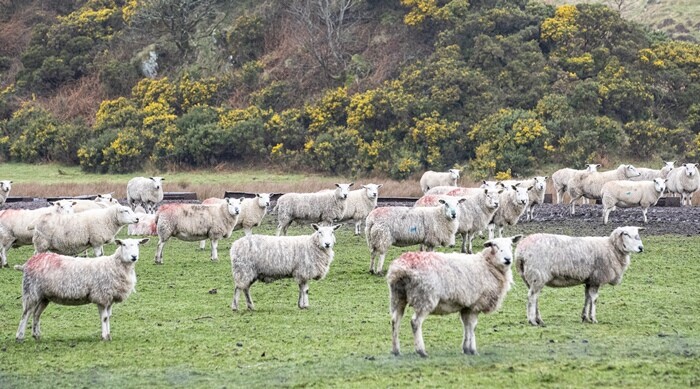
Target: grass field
(175, 332)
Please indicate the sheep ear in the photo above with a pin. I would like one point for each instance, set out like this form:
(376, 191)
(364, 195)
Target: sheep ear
(500, 191)
(441, 201)
(515, 187)
(351, 184)
(546, 177)
(641, 228)
(73, 202)
(335, 227)
(241, 199)
(488, 243)
(516, 238)
(315, 226)
(144, 240)
(530, 188)
(461, 200)
(378, 186)
(598, 165)
(119, 242)
(337, 185)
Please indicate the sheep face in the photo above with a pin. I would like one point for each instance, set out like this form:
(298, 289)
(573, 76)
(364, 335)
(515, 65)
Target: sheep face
(493, 185)
(449, 206)
(669, 164)
(627, 239)
(5, 186)
(326, 235)
(540, 183)
(342, 190)
(129, 249)
(454, 174)
(234, 205)
(492, 198)
(660, 184)
(691, 169)
(63, 207)
(106, 199)
(263, 199)
(157, 182)
(372, 190)
(502, 250)
(631, 171)
(592, 167)
(521, 196)
(126, 216)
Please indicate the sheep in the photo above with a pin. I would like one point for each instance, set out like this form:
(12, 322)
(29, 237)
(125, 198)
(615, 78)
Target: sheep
(269, 258)
(145, 226)
(5, 187)
(627, 194)
(72, 233)
(459, 191)
(649, 174)
(193, 222)
(50, 277)
(14, 223)
(145, 191)
(589, 185)
(684, 180)
(431, 179)
(562, 261)
(437, 283)
(360, 203)
(512, 204)
(441, 190)
(253, 210)
(99, 202)
(318, 207)
(406, 226)
(561, 178)
(536, 194)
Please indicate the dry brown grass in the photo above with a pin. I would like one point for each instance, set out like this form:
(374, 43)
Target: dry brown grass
(80, 99)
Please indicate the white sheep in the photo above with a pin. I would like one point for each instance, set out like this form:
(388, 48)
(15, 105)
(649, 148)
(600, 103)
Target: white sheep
(14, 225)
(72, 233)
(100, 201)
(646, 174)
(145, 191)
(269, 258)
(406, 226)
(194, 222)
(431, 179)
(685, 181)
(318, 207)
(536, 194)
(145, 226)
(5, 187)
(441, 190)
(253, 210)
(50, 277)
(511, 205)
(626, 194)
(460, 191)
(562, 261)
(560, 179)
(360, 203)
(446, 283)
(589, 185)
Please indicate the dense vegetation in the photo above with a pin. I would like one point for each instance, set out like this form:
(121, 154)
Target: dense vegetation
(344, 87)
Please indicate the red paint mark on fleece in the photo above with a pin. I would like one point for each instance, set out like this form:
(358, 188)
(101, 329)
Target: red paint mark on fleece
(8, 213)
(458, 192)
(168, 208)
(381, 211)
(43, 261)
(418, 259)
(153, 230)
(428, 200)
(213, 201)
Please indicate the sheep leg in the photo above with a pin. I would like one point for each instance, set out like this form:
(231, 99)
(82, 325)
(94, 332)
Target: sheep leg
(214, 250)
(248, 231)
(3, 255)
(104, 319)
(372, 255)
(606, 214)
(586, 304)
(282, 227)
(500, 231)
(98, 250)
(202, 244)
(644, 213)
(469, 320)
(491, 227)
(464, 241)
(572, 204)
(560, 195)
(234, 302)
(397, 308)
(380, 266)
(303, 295)
(417, 326)
(358, 227)
(533, 315)
(248, 299)
(29, 307)
(159, 251)
(36, 321)
(592, 298)
(471, 238)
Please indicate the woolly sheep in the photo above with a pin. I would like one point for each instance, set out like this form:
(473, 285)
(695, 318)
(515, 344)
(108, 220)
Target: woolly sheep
(50, 277)
(99, 202)
(145, 191)
(253, 210)
(562, 261)
(406, 226)
(441, 190)
(561, 178)
(269, 258)
(318, 207)
(626, 194)
(649, 174)
(446, 283)
(14, 225)
(145, 226)
(194, 222)
(5, 187)
(538, 187)
(72, 233)
(459, 191)
(360, 203)
(511, 205)
(684, 180)
(589, 185)
(431, 179)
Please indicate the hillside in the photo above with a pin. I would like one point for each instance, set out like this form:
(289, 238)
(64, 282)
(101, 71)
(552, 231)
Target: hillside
(355, 87)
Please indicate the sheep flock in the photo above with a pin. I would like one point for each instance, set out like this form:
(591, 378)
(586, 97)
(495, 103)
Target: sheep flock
(430, 274)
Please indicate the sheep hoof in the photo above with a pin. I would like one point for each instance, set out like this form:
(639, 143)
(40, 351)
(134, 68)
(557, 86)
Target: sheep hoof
(422, 353)
(19, 340)
(379, 273)
(5, 265)
(469, 351)
(534, 322)
(371, 271)
(107, 338)
(395, 353)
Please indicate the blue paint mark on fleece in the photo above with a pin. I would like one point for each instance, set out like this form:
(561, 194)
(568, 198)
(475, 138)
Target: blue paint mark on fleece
(413, 229)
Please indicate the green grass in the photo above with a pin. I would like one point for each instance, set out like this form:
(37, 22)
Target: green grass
(173, 332)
